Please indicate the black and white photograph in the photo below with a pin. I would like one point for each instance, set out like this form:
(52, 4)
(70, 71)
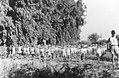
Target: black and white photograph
(59, 38)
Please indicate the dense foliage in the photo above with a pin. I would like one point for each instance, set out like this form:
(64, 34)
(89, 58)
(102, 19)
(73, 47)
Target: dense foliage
(65, 71)
(26, 21)
(94, 37)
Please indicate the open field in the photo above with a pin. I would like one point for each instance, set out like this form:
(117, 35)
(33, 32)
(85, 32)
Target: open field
(35, 68)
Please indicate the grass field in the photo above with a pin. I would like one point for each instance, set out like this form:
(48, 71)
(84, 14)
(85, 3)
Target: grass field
(75, 68)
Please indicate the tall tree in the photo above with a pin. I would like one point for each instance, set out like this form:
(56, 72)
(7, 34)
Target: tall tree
(93, 37)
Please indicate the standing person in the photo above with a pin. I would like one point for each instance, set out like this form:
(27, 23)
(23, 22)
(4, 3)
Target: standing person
(113, 46)
(44, 42)
(99, 52)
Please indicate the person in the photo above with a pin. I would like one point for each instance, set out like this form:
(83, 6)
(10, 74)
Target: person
(99, 52)
(44, 42)
(113, 46)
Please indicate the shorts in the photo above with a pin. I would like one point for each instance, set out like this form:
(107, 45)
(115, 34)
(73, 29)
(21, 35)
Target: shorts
(115, 50)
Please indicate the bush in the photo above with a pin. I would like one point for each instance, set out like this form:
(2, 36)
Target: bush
(106, 57)
(91, 57)
(64, 72)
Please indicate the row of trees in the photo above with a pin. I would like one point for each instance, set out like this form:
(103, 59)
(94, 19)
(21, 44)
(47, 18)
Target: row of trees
(94, 38)
(56, 21)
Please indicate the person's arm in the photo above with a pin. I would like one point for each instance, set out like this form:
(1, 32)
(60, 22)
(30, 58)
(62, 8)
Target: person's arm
(117, 37)
(108, 44)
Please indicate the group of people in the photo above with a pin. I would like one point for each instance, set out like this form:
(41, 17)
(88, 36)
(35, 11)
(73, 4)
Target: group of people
(65, 51)
(52, 52)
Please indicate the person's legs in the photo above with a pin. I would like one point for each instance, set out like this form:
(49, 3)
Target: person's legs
(117, 61)
(117, 53)
(98, 57)
(113, 54)
(113, 60)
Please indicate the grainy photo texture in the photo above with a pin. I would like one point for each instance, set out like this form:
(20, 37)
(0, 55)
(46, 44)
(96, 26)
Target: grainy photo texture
(59, 39)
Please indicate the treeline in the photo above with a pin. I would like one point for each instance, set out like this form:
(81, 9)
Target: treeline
(31, 21)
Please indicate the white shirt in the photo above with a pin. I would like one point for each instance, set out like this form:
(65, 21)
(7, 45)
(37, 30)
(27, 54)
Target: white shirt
(113, 41)
(13, 50)
(99, 51)
(20, 49)
(44, 41)
(68, 51)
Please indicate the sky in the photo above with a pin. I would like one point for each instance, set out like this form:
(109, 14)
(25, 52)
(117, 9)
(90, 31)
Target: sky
(102, 17)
